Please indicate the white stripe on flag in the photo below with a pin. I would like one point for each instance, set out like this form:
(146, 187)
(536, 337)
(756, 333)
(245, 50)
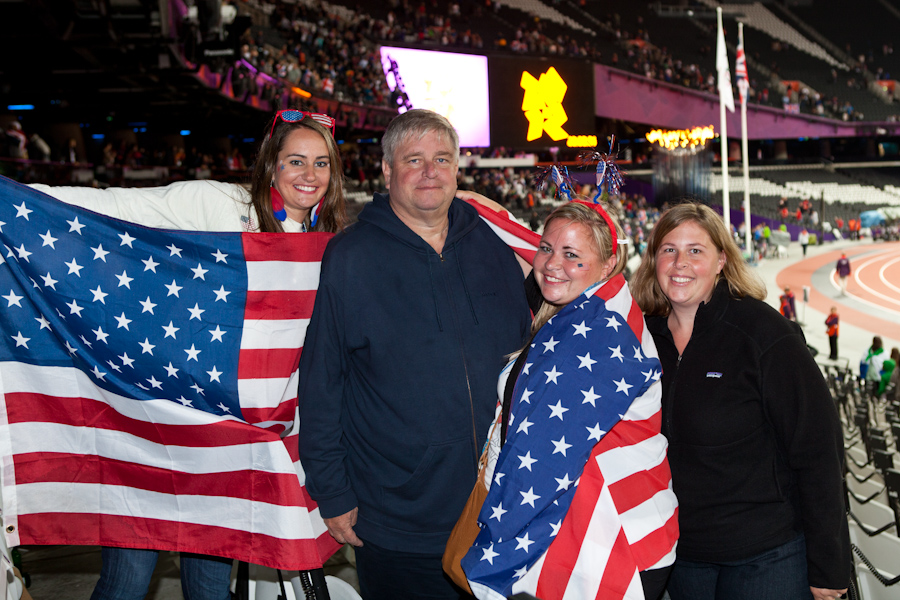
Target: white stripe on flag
(108, 443)
(264, 276)
(68, 382)
(618, 463)
(218, 511)
(262, 334)
(640, 521)
(267, 393)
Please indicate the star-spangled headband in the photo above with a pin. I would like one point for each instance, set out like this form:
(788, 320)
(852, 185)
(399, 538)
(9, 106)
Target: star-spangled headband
(292, 115)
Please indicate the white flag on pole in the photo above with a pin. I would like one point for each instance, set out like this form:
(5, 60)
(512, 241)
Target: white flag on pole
(726, 94)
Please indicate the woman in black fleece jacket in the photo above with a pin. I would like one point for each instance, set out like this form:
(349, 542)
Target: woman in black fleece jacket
(755, 442)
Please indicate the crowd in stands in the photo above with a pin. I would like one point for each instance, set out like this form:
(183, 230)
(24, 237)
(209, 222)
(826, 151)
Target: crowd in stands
(333, 52)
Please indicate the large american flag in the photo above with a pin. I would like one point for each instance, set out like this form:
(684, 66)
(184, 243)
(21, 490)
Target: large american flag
(581, 498)
(149, 381)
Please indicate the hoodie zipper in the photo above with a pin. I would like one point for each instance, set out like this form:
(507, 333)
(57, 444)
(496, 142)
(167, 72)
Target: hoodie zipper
(669, 426)
(465, 362)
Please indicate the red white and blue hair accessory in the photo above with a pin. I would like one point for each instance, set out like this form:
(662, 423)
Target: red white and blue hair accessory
(607, 169)
(558, 175)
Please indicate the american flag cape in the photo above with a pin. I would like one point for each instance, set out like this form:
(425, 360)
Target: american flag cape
(148, 381)
(581, 498)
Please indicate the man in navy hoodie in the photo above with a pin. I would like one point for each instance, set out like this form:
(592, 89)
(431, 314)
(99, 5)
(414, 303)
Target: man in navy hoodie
(418, 304)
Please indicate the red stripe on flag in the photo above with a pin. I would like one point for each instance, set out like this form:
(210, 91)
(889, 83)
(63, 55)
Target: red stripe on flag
(279, 305)
(650, 549)
(619, 570)
(636, 489)
(155, 534)
(284, 412)
(84, 412)
(628, 433)
(268, 363)
(611, 288)
(636, 321)
(292, 443)
(565, 548)
(281, 488)
(275, 246)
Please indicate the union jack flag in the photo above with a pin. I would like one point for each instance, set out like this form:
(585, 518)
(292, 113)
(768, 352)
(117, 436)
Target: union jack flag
(740, 68)
(148, 385)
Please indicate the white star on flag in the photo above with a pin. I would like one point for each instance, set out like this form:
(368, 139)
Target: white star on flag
(586, 362)
(49, 240)
(590, 397)
(560, 446)
(527, 461)
(581, 329)
(126, 239)
(524, 542)
(524, 425)
(549, 345)
(489, 554)
(552, 374)
(529, 497)
(617, 353)
(621, 386)
(557, 410)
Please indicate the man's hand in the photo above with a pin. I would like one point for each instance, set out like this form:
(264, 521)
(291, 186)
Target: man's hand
(341, 528)
(822, 593)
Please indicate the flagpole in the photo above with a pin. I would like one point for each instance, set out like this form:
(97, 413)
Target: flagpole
(743, 86)
(722, 72)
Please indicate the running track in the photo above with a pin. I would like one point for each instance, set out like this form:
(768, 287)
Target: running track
(873, 288)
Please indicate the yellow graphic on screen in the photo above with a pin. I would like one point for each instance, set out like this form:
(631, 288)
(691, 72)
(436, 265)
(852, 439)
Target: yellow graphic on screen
(542, 105)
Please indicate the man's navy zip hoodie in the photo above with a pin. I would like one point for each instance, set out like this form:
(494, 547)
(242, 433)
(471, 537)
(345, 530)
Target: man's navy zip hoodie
(399, 371)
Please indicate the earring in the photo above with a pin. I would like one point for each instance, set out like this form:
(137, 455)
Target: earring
(277, 203)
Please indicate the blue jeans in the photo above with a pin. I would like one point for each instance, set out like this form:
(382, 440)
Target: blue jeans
(777, 574)
(126, 574)
(391, 575)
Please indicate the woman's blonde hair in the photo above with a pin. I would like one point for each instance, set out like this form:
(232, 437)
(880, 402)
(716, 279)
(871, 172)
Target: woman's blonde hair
(741, 280)
(604, 243)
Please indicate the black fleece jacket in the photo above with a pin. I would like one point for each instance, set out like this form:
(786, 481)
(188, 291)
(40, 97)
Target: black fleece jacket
(755, 443)
(398, 376)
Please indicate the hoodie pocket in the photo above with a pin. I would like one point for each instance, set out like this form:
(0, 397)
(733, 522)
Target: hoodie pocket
(433, 496)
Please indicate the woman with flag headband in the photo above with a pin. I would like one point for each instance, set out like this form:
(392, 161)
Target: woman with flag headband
(580, 502)
(297, 186)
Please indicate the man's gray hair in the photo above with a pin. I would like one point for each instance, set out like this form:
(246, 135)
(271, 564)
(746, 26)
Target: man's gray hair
(416, 122)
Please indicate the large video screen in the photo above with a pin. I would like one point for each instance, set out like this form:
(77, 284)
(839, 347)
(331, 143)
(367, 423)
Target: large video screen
(541, 102)
(454, 85)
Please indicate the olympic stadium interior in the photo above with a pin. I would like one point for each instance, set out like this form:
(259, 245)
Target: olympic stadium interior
(148, 92)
